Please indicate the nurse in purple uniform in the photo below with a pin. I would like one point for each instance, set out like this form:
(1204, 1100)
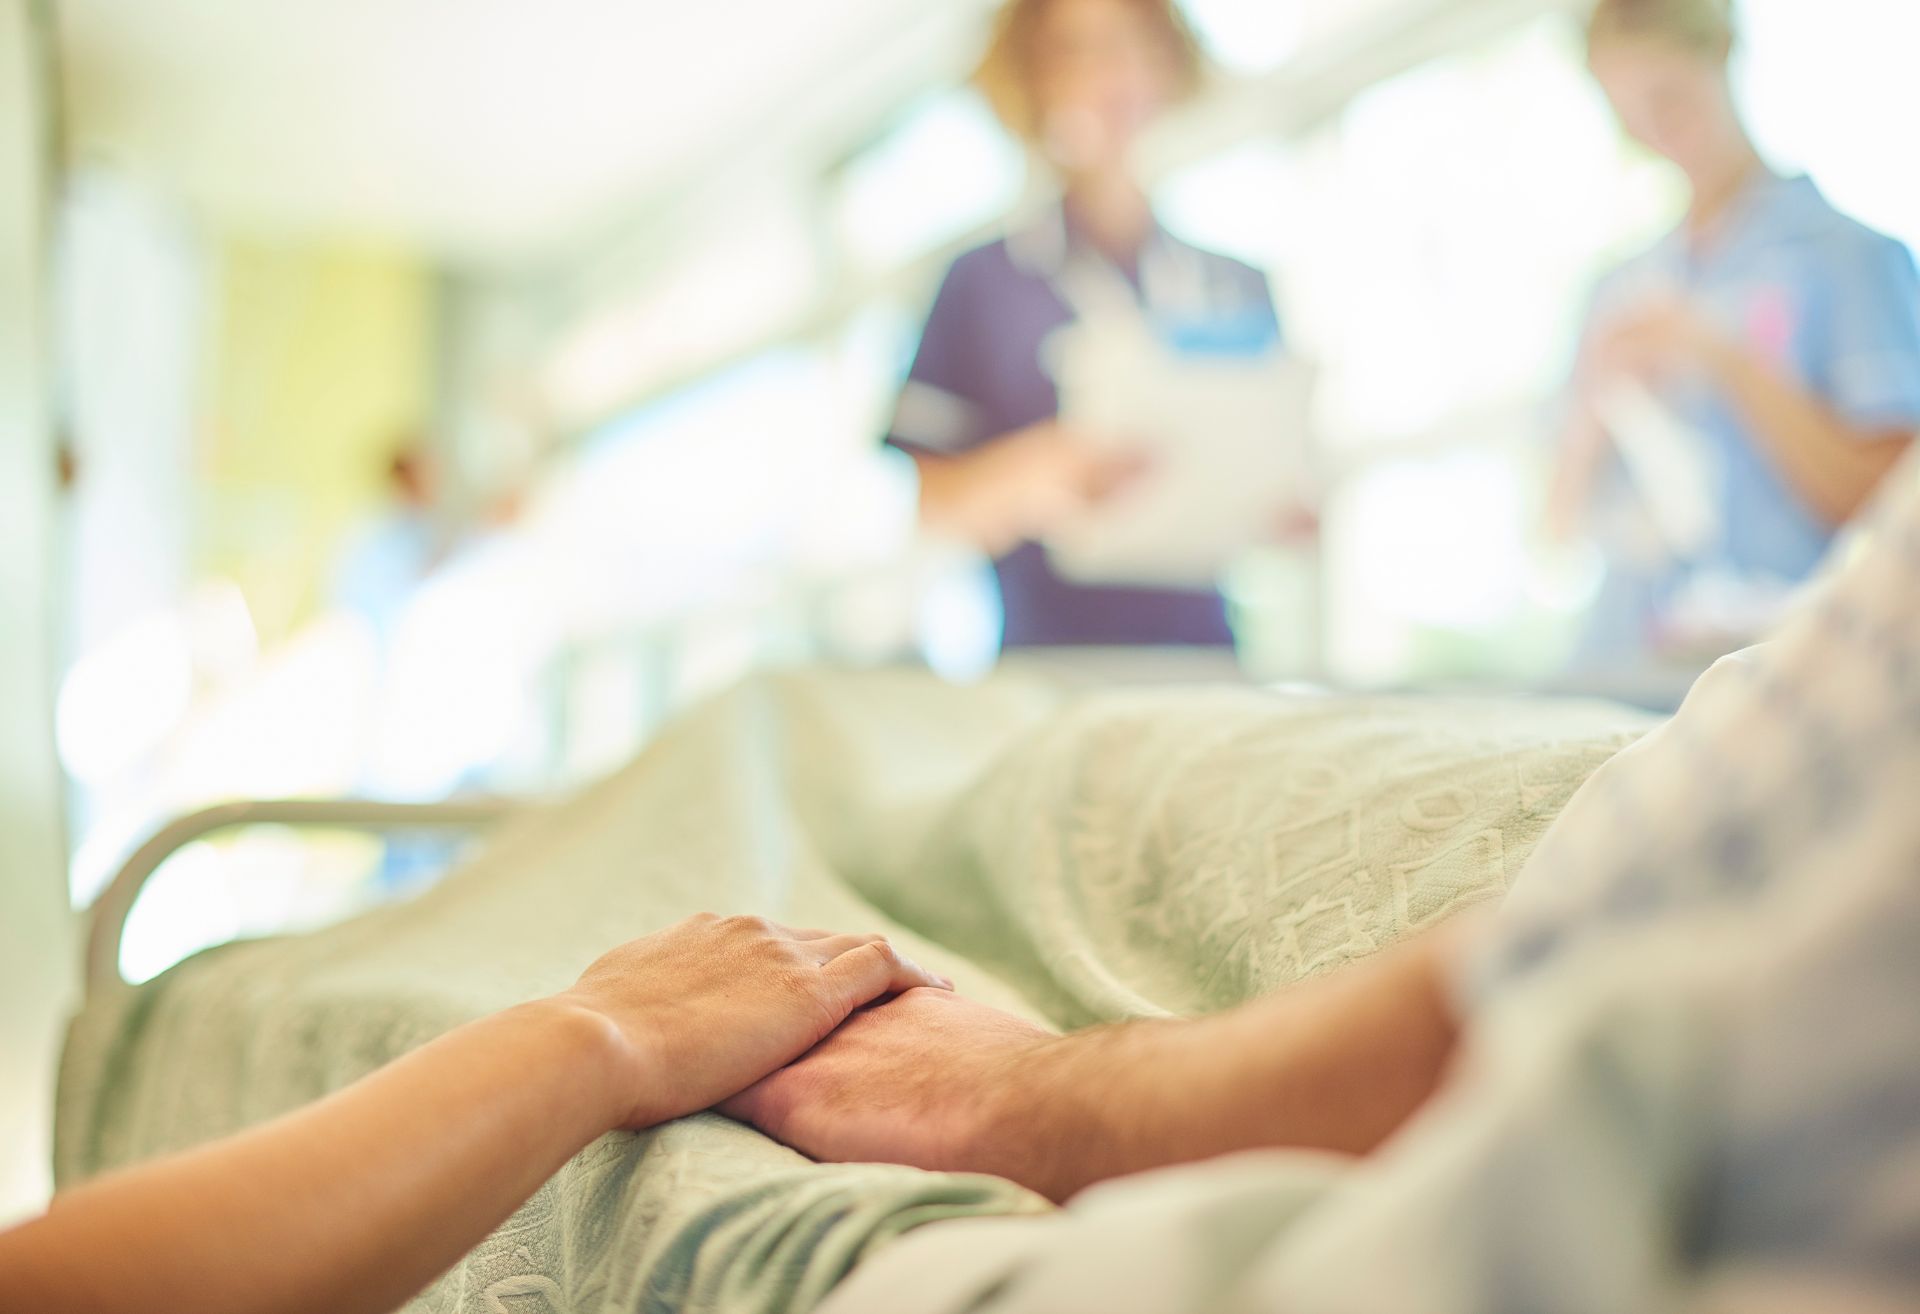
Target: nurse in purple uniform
(1080, 80)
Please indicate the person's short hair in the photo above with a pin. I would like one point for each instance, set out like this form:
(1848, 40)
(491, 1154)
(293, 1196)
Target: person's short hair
(1700, 27)
(1007, 72)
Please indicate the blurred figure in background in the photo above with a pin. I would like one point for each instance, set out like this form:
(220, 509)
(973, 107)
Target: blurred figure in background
(1757, 372)
(390, 555)
(1080, 81)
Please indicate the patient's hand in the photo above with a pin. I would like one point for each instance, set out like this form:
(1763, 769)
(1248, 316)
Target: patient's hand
(937, 1081)
(705, 1008)
(920, 1080)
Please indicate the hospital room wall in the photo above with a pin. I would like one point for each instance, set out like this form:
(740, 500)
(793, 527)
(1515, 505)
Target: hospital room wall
(320, 359)
(36, 928)
(237, 423)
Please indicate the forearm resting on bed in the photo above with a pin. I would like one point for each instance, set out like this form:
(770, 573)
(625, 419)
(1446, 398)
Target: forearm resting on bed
(1336, 1064)
(353, 1204)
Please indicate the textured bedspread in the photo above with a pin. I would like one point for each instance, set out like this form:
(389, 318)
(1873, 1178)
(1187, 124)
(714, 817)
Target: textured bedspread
(1075, 857)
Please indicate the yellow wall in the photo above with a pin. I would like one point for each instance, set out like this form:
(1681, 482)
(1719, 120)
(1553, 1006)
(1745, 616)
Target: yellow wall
(38, 947)
(321, 361)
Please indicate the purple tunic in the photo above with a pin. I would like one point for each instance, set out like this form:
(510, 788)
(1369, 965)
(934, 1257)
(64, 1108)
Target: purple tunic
(978, 375)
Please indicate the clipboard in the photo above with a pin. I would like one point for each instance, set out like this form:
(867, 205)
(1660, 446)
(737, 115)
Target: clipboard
(1227, 442)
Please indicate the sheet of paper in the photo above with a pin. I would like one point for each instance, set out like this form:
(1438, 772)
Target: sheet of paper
(1670, 464)
(1226, 440)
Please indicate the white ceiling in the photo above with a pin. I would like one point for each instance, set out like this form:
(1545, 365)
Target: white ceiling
(490, 130)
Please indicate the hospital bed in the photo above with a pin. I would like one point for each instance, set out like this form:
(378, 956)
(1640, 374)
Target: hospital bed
(1070, 853)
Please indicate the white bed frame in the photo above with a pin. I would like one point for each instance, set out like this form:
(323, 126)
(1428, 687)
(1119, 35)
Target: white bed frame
(107, 918)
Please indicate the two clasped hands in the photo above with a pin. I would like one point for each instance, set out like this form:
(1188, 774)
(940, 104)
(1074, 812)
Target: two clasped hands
(841, 1048)
(833, 1043)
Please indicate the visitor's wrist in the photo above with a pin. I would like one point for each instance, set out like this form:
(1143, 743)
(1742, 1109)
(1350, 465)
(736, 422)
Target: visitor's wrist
(605, 1070)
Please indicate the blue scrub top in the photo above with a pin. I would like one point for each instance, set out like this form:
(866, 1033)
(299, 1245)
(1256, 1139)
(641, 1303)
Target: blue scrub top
(1833, 303)
(979, 374)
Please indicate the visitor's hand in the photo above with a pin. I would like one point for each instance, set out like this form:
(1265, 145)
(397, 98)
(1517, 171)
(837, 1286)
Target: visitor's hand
(926, 1079)
(708, 1007)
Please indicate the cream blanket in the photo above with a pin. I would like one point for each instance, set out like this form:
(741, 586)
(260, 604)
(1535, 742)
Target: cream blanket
(1077, 857)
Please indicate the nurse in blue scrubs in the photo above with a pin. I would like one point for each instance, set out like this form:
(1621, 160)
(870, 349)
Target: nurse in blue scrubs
(1080, 80)
(1781, 332)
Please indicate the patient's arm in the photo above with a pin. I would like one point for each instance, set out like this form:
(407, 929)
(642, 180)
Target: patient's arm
(355, 1203)
(936, 1081)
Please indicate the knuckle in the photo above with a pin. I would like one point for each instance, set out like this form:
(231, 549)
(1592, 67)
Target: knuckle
(781, 973)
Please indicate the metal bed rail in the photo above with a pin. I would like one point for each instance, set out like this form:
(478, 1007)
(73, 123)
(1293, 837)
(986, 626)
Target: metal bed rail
(107, 918)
